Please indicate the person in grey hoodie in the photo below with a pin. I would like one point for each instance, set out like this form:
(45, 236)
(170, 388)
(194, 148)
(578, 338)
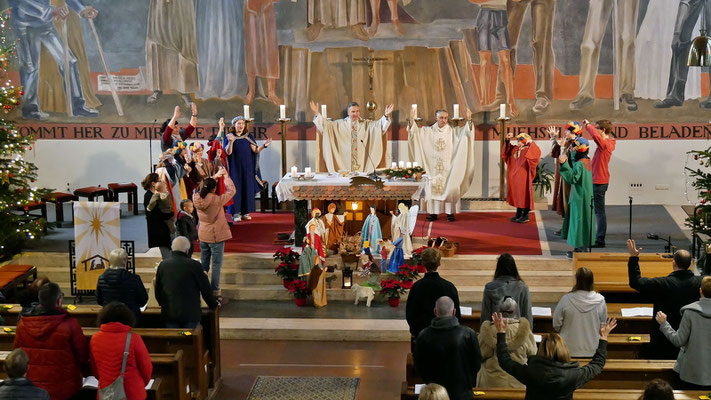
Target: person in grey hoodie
(693, 364)
(579, 313)
(507, 282)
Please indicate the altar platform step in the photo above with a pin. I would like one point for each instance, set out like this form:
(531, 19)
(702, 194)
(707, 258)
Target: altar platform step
(495, 205)
(373, 330)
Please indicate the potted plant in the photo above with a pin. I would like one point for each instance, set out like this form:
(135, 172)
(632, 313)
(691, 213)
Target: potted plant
(408, 273)
(300, 290)
(393, 288)
(542, 182)
(288, 269)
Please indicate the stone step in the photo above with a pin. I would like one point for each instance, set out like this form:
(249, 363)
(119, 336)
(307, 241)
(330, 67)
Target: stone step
(386, 330)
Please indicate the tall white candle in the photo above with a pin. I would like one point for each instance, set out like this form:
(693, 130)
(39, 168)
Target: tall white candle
(401, 164)
(502, 111)
(415, 164)
(282, 111)
(307, 172)
(294, 171)
(323, 111)
(409, 164)
(394, 165)
(414, 110)
(246, 111)
(456, 111)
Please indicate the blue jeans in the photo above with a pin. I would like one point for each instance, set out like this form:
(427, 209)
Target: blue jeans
(599, 202)
(214, 251)
(182, 325)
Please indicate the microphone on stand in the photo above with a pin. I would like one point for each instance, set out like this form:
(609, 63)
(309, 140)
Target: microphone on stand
(371, 161)
(150, 145)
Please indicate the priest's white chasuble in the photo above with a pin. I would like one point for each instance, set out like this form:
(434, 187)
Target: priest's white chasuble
(350, 145)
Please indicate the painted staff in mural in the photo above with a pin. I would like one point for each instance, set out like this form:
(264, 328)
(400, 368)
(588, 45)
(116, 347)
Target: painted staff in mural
(262, 47)
(32, 22)
(336, 14)
(687, 14)
(542, 13)
(625, 31)
(171, 49)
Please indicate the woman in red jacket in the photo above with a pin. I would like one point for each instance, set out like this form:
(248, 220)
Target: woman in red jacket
(107, 347)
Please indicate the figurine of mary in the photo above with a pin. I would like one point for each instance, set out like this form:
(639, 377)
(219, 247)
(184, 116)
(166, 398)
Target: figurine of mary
(371, 232)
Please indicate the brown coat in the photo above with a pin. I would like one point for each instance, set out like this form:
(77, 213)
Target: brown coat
(521, 344)
(213, 226)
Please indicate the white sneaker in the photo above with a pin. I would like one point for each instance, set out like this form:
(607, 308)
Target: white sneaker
(237, 218)
(246, 217)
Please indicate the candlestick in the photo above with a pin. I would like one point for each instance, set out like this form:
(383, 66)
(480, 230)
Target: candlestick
(307, 172)
(294, 171)
(323, 111)
(394, 165)
(456, 111)
(246, 112)
(414, 110)
(282, 111)
(409, 165)
(502, 111)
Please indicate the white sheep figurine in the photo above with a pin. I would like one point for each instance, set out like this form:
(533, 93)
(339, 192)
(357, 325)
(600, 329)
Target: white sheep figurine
(363, 291)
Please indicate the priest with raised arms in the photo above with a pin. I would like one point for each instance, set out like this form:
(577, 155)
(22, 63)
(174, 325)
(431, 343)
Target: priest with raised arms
(447, 155)
(352, 143)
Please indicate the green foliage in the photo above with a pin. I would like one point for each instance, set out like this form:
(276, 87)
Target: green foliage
(701, 219)
(544, 177)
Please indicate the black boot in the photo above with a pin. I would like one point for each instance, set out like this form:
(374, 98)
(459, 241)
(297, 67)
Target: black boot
(431, 217)
(524, 216)
(519, 211)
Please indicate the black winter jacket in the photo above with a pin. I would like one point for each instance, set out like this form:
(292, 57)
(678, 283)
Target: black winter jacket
(421, 301)
(185, 226)
(669, 294)
(180, 281)
(117, 284)
(448, 354)
(549, 379)
(21, 389)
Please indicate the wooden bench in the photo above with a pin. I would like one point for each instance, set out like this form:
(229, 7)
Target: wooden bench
(155, 392)
(408, 393)
(59, 198)
(264, 197)
(610, 271)
(92, 192)
(131, 191)
(12, 276)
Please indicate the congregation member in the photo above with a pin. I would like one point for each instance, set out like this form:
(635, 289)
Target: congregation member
(601, 134)
(668, 293)
(521, 157)
(185, 224)
(693, 338)
(213, 231)
(115, 342)
(29, 296)
(507, 282)
(158, 232)
(117, 284)
(433, 391)
(657, 389)
(447, 353)
(519, 340)
(579, 313)
(420, 304)
(55, 345)
(180, 281)
(550, 374)
(172, 132)
(578, 225)
(16, 386)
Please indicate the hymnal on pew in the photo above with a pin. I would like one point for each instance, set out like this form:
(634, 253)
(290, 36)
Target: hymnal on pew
(637, 312)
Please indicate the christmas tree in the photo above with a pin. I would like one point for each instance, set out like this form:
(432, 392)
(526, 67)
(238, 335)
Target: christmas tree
(17, 176)
(701, 220)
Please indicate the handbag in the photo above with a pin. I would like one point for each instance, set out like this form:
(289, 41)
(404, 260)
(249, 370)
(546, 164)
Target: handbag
(115, 390)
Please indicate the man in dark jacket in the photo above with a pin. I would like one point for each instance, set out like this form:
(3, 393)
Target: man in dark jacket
(180, 281)
(17, 386)
(669, 294)
(55, 345)
(117, 284)
(425, 292)
(447, 353)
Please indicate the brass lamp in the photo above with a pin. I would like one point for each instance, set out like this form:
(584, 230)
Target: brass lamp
(700, 50)
(347, 282)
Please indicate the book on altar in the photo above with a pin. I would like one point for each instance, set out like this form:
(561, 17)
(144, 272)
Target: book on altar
(541, 311)
(92, 382)
(637, 312)
(465, 310)
(418, 387)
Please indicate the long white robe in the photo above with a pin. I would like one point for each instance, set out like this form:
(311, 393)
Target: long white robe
(447, 155)
(400, 226)
(339, 144)
(337, 13)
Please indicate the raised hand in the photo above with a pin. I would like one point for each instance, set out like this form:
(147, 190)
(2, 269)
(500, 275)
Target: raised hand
(222, 123)
(562, 158)
(499, 322)
(267, 143)
(661, 317)
(176, 112)
(509, 135)
(412, 113)
(193, 108)
(314, 107)
(553, 132)
(607, 327)
(389, 109)
(469, 114)
(632, 248)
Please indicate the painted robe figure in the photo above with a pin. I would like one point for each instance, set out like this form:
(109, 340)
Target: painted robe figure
(579, 224)
(371, 232)
(521, 161)
(334, 226)
(401, 227)
(262, 47)
(313, 255)
(351, 143)
(561, 145)
(447, 155)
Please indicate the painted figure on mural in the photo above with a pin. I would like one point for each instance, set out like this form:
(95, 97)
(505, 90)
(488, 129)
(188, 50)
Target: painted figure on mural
(492, 36)
(394, 17)
(542, 13)
(33, 25)
(171, 49)
(625, 31)
(687, 15)
(336, 14)
(262, 47)
(220, 46)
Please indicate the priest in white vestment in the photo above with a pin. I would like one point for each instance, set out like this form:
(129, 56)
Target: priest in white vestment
(447, 155)
(352, 143)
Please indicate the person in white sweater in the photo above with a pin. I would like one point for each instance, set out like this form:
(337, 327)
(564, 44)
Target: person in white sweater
(579, 314)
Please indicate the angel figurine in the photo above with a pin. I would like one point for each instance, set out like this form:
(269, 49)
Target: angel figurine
(403, 225)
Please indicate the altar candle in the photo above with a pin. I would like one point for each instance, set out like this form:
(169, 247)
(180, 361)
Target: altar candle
(414, 110)
(409, 165)
(307, 172)
(282, 111)
(401, 164)
(415, 164)
(502, 111)
(246, 111)
(294, 171)
(394, 165)
(323, 111)
(456, 111)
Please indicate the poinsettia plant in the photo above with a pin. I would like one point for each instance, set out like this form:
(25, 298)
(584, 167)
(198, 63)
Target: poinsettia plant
(287, 255)
(299, 289)
(393, 288)
(417, 255)
(408, 272)
(287, 271)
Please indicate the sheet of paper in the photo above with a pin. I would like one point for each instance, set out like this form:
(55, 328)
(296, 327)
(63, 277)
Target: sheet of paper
(418, 388)
(90, 381)
(541, 311)
(150, 384)
(465, 310)
(537, 338)
(144, 307)
(637, 312)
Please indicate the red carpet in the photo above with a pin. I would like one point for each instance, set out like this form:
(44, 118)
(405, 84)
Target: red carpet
(486, 233)
(257, 235)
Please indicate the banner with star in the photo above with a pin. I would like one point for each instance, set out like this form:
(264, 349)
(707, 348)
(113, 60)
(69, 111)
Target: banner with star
(97, 231)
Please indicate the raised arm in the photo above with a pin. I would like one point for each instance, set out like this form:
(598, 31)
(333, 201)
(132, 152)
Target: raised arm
(518, 371)
(168, 133)
(679, 337)
(385, 119)
(193, 123)
(636, 281)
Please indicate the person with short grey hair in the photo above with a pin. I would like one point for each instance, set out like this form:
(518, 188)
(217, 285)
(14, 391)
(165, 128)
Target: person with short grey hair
(17, 386)
(119, 284)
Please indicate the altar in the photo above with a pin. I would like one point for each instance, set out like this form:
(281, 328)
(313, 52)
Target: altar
(353, 191)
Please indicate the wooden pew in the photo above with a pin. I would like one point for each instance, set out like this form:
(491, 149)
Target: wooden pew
(626, 347)
(150, 318)
(155, 392)
(545, 324)
(610, 269)
(408, 393)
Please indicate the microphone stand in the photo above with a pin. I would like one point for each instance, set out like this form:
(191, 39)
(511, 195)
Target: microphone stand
(592, 215)
(630, 237)
(373, 174)
(150, 146)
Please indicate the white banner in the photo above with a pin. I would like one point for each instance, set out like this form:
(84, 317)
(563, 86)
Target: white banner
(97, 231)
